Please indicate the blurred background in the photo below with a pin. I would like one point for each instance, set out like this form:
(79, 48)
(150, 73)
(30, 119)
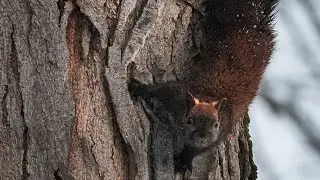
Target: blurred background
(285, 117)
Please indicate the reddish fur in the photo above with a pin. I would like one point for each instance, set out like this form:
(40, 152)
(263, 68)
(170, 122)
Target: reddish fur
(207, 108)
(237, 79)
(204, 109)
(236, 50)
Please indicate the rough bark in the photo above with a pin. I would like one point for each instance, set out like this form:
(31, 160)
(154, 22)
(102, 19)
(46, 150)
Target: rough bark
(65, 109)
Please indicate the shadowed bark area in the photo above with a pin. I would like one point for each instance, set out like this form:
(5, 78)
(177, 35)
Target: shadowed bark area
(65, 110)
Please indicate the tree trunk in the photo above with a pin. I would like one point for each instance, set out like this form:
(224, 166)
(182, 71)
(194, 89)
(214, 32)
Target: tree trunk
(66, 112)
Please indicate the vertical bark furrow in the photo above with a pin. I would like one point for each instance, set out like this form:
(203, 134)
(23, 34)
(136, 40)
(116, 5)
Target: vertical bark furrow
(130, 125)
(231, 159)
(95, 150)
(11, 126)
(56, 175)
(246, 163)
(71, 42)
(14, 67)
(4, 107)
(25, 173)
(60, 4)
(220, 166)
(30, 14)
(74, 60)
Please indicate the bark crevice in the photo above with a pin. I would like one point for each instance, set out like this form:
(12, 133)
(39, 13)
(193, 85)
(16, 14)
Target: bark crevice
(86, 76)
(25, 173)
(30, 13)
(56, 175)
(60, 5)
(14, 65)
(253, 174)
(5, 120)
(242, 158)
(220, 163)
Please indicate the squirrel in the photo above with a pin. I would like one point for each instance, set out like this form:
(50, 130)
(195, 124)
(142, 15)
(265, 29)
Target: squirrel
(221, 81)
(236, 49)
(194, 121)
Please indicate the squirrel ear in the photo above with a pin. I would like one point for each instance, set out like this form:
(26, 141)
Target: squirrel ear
(196, 101)
(221, 103)
(215, 103)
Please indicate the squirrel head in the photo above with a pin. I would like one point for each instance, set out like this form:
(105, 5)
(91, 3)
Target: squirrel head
(202, 125)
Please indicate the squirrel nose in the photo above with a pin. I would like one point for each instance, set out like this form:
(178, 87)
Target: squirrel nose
(216, 125)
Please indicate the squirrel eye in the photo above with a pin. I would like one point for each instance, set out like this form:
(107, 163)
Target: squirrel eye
(216, 124)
